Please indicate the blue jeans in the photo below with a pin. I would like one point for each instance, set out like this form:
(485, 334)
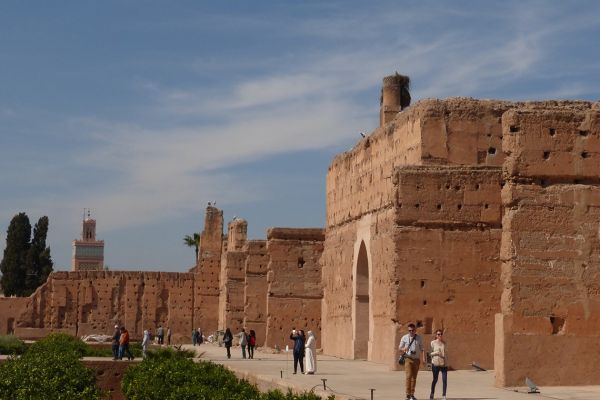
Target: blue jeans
(436, 372)
(124, 348)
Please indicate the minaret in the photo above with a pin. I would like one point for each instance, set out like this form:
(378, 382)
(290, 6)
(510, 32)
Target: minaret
(88, 253)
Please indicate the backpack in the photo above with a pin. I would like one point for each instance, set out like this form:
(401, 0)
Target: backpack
(252, 341)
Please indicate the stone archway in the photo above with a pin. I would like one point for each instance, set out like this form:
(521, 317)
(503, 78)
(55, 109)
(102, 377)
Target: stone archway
(362, 308)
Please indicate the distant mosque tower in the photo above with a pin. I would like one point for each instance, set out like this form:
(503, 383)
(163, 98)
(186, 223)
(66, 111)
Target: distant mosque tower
(88, 253)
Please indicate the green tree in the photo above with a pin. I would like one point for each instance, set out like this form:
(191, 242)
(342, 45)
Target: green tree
(15, 254)
(38, 263)
(26, 264)
(193, 241)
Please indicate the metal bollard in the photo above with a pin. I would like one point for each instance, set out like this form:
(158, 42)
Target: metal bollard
(281, 374)
(324, 385)
(372, 390)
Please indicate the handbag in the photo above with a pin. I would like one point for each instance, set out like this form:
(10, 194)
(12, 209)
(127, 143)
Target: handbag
(402, 359)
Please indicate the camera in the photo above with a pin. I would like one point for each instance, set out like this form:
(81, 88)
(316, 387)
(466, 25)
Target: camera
(411, 352)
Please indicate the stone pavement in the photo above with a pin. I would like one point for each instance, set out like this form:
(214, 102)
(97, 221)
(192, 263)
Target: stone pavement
(351, 380)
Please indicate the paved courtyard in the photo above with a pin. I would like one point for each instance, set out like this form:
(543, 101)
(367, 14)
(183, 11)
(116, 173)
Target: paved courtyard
(349, 379)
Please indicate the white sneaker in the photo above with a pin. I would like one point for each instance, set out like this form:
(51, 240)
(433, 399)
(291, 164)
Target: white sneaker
(443, 397)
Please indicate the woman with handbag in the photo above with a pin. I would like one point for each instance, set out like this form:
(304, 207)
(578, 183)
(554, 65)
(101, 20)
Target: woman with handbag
(439, 363)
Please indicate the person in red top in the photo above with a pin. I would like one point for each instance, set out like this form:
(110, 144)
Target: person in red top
(124, 344)
(251, 343)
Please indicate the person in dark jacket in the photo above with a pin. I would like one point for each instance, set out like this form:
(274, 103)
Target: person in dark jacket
(298, 338)
(115, 342)
(227, 341)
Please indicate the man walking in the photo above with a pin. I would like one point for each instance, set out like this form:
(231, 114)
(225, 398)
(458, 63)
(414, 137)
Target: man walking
(161, 334)
(115, 342)
(411, 346)
(124, 345)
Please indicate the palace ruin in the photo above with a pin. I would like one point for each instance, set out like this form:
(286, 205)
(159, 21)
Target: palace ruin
(479, 217)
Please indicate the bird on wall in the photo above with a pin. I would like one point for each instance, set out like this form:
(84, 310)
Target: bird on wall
(362, 134)
(532, 386)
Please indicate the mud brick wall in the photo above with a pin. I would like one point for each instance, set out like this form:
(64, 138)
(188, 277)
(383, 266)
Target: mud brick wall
(88, 302)
(294, 283)
(231, 300)
(208, 271)
(255, 289)
(550, 320)
(447, 269)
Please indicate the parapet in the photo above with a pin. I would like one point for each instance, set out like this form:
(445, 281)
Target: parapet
(311, 234)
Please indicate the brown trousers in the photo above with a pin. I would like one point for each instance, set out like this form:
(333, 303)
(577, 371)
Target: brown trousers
(411, 369)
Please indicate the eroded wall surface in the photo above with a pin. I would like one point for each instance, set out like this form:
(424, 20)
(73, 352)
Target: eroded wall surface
(550, 320)
(86, 302)
(294, 290)
(255, 289)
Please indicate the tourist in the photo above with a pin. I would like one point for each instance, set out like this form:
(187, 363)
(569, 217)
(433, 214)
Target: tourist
(251, 343)
(227, 341)
(161, 334)
(145, 343)
(200, 336)
(298, 351)
(194, 337)
(411, 346)
(124, 344)
(169, 335)
(243, 342)
(115, 342)
(310, 355)
(439, 362)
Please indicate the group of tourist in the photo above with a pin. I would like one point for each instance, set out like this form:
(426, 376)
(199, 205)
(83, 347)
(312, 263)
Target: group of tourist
(197, 337)
(304, 351)
(120, 343)
(246, 341)
(412, 350)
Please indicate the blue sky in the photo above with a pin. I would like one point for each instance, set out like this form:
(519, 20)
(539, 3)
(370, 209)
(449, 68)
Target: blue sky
(144, 111)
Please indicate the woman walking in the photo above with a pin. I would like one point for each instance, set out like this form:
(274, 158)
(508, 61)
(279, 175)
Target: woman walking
(227, 341)
(439, 362)
(311, 353)
(145, 343)
(251, 343)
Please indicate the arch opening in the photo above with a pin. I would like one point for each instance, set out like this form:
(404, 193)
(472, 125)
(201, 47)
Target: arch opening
(362, 309)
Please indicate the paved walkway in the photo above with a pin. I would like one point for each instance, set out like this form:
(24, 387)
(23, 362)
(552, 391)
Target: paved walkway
(351, 380)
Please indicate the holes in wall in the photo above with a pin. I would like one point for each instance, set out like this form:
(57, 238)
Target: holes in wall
(459, 207)
(514, 128)
(584, 154)
(439, 206)
(457, 188)
(447, 186)
(424, 302)
(551, 131)
(477, 186)
(419, 324)
(422, 283)
(546, 155)
(557, 324)
(492, 150)
(486, 206)
(417, 205)
(584, 133)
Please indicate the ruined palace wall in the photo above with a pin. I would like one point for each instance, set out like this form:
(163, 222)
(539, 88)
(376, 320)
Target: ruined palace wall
(88, 302)
(255, 289)
(447, 267)
(231, 299)
(10, 308)
(456, 131)
(208, 271)
(294, 283)
(550, 319)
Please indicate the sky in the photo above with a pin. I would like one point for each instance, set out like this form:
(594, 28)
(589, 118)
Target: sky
(144, 111)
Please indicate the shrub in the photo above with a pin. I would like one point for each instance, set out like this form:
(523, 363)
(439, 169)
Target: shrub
(10, 344)
(60, 342)
(49, 369)
(169, 375)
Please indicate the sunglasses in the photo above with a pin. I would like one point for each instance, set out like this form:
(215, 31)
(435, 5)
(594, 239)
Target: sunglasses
(439, 334)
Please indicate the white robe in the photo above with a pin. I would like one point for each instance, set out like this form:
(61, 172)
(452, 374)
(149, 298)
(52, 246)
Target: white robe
(310, 355)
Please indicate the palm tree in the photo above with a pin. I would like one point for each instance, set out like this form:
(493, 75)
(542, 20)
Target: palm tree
(193, 241)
